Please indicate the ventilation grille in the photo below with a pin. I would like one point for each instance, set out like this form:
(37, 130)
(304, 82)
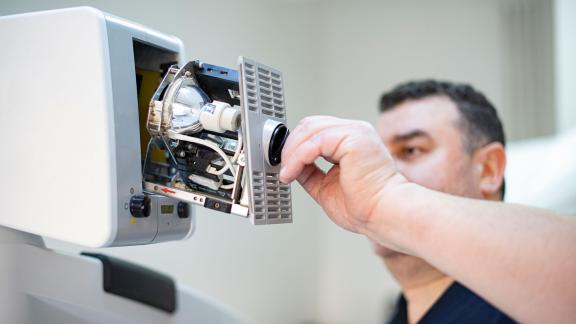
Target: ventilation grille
(262, 97)
(267, 86)
(271, 198)
(259, 191)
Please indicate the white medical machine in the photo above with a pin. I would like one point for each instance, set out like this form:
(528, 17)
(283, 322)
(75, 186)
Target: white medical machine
(109, 138)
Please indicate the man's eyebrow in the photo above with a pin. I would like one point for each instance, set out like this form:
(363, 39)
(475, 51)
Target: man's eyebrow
(409, 135)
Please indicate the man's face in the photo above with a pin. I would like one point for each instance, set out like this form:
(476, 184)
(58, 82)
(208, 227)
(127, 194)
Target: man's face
(427, 143)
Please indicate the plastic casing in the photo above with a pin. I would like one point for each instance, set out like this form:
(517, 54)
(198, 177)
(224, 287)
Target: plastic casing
(69, 131)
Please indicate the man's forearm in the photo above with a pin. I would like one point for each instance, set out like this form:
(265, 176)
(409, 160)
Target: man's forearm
(493, 248)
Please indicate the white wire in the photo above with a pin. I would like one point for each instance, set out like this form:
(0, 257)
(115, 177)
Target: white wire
(231, 185)
(228, 186)
(238, 146)
(194, 128)
(228, 164)
(235, 158)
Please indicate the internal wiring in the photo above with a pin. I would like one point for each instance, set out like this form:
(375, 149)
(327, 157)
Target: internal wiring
(238, 146)
(228, 163)
(194, 128)
(228, 186)
(235, 159)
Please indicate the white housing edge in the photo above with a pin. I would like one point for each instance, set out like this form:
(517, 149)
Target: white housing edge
(69, 133)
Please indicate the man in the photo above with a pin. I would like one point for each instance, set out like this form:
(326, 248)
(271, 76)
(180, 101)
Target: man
(519, 258)
(445, 137)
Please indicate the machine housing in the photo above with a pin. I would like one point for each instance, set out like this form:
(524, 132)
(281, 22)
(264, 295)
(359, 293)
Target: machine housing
(76, 89)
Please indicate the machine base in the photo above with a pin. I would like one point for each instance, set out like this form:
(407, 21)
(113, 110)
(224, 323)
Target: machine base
(38, 285)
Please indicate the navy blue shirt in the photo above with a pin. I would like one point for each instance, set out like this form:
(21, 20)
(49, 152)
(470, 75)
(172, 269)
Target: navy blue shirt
(456, 305)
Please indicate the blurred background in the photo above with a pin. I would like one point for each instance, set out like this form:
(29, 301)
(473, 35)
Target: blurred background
(337, 58)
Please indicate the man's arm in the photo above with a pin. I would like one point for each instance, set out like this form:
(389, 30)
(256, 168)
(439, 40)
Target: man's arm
(523, 260)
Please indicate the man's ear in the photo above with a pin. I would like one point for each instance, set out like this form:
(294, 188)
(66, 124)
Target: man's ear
(491, 160)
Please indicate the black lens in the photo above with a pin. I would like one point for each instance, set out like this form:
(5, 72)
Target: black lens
(277, 140)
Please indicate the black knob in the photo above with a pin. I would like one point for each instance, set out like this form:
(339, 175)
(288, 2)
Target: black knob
(277, 141)
(183, 210)
(140, 206)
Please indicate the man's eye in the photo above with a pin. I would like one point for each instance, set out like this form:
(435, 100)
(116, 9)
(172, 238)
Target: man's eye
(410, 152)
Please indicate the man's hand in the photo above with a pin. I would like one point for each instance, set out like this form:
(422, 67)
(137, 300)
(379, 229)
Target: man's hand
(520, 259)
(362, 170)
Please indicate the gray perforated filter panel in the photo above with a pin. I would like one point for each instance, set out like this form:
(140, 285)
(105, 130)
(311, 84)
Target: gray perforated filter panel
(262, 96)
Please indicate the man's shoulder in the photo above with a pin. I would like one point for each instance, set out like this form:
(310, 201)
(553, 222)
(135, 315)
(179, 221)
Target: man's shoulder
(458, 304)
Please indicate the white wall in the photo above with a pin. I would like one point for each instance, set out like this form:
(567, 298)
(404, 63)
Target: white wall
(337, 58)
(565, 64)
(528, 48)
(541, 172)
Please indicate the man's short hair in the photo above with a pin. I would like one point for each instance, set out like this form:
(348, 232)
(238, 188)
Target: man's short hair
(479, 119)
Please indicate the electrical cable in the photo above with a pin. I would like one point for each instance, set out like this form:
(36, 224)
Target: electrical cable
(228, 186)
(238, 146)
(228, 164)
(235, 158)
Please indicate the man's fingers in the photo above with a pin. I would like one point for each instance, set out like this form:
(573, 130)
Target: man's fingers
(306, 129)
(325, 144)
(311, 179)
(294, 163)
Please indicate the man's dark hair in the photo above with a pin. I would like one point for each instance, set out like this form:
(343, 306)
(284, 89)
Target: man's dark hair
(479, 119)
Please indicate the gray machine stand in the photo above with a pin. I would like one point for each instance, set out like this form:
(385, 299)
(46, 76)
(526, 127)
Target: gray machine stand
(44, 286)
